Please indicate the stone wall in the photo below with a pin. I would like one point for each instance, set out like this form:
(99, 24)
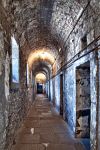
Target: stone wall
(70, 90)
(14, 102)
(98, 108)
(70, 27)
(69, 97)
(51, 90)
(18, 106)
(4, 75)
(57, 92)
(88, 26)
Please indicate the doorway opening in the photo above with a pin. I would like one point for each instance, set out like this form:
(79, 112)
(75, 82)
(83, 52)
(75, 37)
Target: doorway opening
(40, 83)
(61, 94)
(83, 101)
(39, 88)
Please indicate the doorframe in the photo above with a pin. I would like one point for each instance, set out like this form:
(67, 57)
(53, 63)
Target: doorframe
(61, 94)
(87, 65)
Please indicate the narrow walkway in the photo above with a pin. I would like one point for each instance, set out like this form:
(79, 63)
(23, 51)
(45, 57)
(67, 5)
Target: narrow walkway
(44, 129)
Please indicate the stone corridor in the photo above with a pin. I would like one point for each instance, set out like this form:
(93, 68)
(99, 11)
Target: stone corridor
(49, 74)
(44, 129)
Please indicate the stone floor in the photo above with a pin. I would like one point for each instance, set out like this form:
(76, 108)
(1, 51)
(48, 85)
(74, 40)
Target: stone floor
(44, 129)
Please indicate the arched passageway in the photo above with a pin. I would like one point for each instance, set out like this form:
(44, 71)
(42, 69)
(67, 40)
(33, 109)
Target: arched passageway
(50, 47)
(40, 83)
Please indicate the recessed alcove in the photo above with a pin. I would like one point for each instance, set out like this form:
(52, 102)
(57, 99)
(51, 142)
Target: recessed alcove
(83, 101)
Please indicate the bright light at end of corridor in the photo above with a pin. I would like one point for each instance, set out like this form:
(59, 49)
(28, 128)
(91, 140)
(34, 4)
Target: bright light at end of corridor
(42, 55)
(40, 77)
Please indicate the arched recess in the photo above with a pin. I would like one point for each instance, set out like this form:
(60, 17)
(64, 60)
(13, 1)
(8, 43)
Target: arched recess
(41, 60)
(40, 77)
(40, 80)
(43, 68)
(41, 71)
(41, 55)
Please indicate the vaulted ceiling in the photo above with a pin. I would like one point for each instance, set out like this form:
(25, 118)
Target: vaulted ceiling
(43, 24)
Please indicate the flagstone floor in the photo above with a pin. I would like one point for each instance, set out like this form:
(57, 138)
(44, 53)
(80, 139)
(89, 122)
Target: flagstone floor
(44, 129)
